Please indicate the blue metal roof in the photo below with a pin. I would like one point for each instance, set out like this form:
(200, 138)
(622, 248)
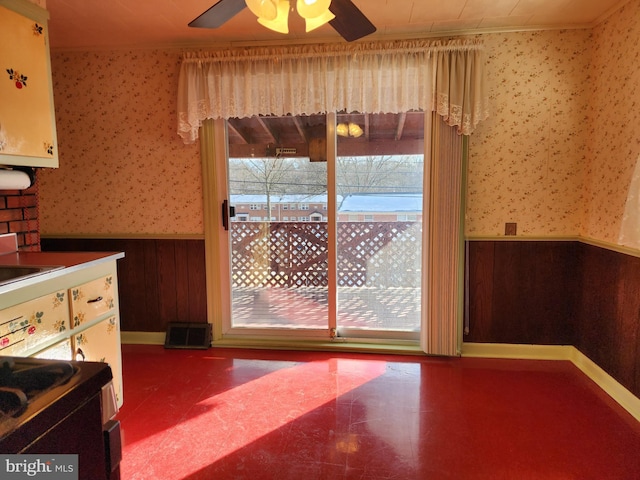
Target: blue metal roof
(382, 202)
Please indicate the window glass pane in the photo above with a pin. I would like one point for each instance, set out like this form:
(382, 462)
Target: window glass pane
(379, 172)
(279, 256)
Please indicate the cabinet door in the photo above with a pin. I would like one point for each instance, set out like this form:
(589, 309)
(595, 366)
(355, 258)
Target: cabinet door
(25, 326)
(27, 119)
(101, 343)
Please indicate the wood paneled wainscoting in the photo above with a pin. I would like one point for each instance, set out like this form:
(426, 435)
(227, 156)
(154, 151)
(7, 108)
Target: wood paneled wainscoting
(159, 280)
(608, 313)
(520, 292)
(558, 293)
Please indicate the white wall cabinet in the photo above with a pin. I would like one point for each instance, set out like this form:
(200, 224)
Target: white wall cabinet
(27, 116)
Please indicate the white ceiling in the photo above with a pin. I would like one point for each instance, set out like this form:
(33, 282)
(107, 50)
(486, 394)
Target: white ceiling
(129, 23)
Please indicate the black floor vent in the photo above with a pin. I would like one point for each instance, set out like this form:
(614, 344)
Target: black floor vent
(188, 335)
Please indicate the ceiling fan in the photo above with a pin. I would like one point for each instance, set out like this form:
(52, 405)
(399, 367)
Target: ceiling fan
(347, 19)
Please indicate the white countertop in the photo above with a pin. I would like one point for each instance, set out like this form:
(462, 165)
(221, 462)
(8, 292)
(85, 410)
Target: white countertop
(68, 261)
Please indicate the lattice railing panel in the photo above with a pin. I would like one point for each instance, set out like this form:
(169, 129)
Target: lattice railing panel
(279, 254)
(295, 254)
(384, 254)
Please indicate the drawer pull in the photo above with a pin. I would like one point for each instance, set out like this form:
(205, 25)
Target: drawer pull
(94, 300)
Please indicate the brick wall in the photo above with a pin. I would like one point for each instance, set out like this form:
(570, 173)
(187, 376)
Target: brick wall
(19, 215)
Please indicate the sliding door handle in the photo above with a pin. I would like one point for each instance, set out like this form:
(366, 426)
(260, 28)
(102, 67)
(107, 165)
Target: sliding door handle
(228, 211)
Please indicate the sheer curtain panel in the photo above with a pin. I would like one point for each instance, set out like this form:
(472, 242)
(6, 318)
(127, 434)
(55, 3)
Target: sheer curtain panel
(442, 242)
(376, 77)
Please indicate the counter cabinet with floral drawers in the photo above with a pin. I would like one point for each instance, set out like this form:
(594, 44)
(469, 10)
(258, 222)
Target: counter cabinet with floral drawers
(68, 314)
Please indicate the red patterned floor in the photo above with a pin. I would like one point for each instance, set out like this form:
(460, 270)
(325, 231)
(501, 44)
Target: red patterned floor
(242, 414)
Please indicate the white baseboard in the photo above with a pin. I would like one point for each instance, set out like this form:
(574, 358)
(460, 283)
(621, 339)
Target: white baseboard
(508, 350)
(142, 338)
(611, 386)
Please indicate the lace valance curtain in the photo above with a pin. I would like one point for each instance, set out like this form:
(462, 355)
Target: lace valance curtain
(377, 77)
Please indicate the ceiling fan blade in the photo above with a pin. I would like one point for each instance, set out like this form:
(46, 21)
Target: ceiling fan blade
(350, 22)
(218, 14)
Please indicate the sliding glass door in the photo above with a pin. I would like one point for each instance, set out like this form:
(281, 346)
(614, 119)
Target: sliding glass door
(326, 241)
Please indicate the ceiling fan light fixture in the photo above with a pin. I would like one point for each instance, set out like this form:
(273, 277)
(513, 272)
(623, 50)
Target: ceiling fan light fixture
(280, 23)
(312, 8)
(313, 23)
(265, 9)
(343, 15)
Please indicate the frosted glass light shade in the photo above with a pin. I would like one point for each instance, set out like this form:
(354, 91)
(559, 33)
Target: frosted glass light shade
(313, 23)
(280, 23)
(266, 9)
(312, 8)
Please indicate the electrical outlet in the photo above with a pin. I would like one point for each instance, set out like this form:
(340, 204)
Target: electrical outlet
(510, 228)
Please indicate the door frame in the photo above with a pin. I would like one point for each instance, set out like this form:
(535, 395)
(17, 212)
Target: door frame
(214, 153)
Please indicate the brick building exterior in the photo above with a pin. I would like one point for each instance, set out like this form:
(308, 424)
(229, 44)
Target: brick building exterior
(365, 207)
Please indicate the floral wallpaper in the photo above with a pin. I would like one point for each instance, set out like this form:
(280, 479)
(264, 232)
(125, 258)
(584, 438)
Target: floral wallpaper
(614, 124)
(558, 153)
(526, 161)
(555, 156)
(123, 169)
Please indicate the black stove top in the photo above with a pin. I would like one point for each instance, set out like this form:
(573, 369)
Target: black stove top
(22, 380)
(30, 389)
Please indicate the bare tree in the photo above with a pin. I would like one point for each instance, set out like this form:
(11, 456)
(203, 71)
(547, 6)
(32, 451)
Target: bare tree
(271, 176)
(374, 174)
(362, 174)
